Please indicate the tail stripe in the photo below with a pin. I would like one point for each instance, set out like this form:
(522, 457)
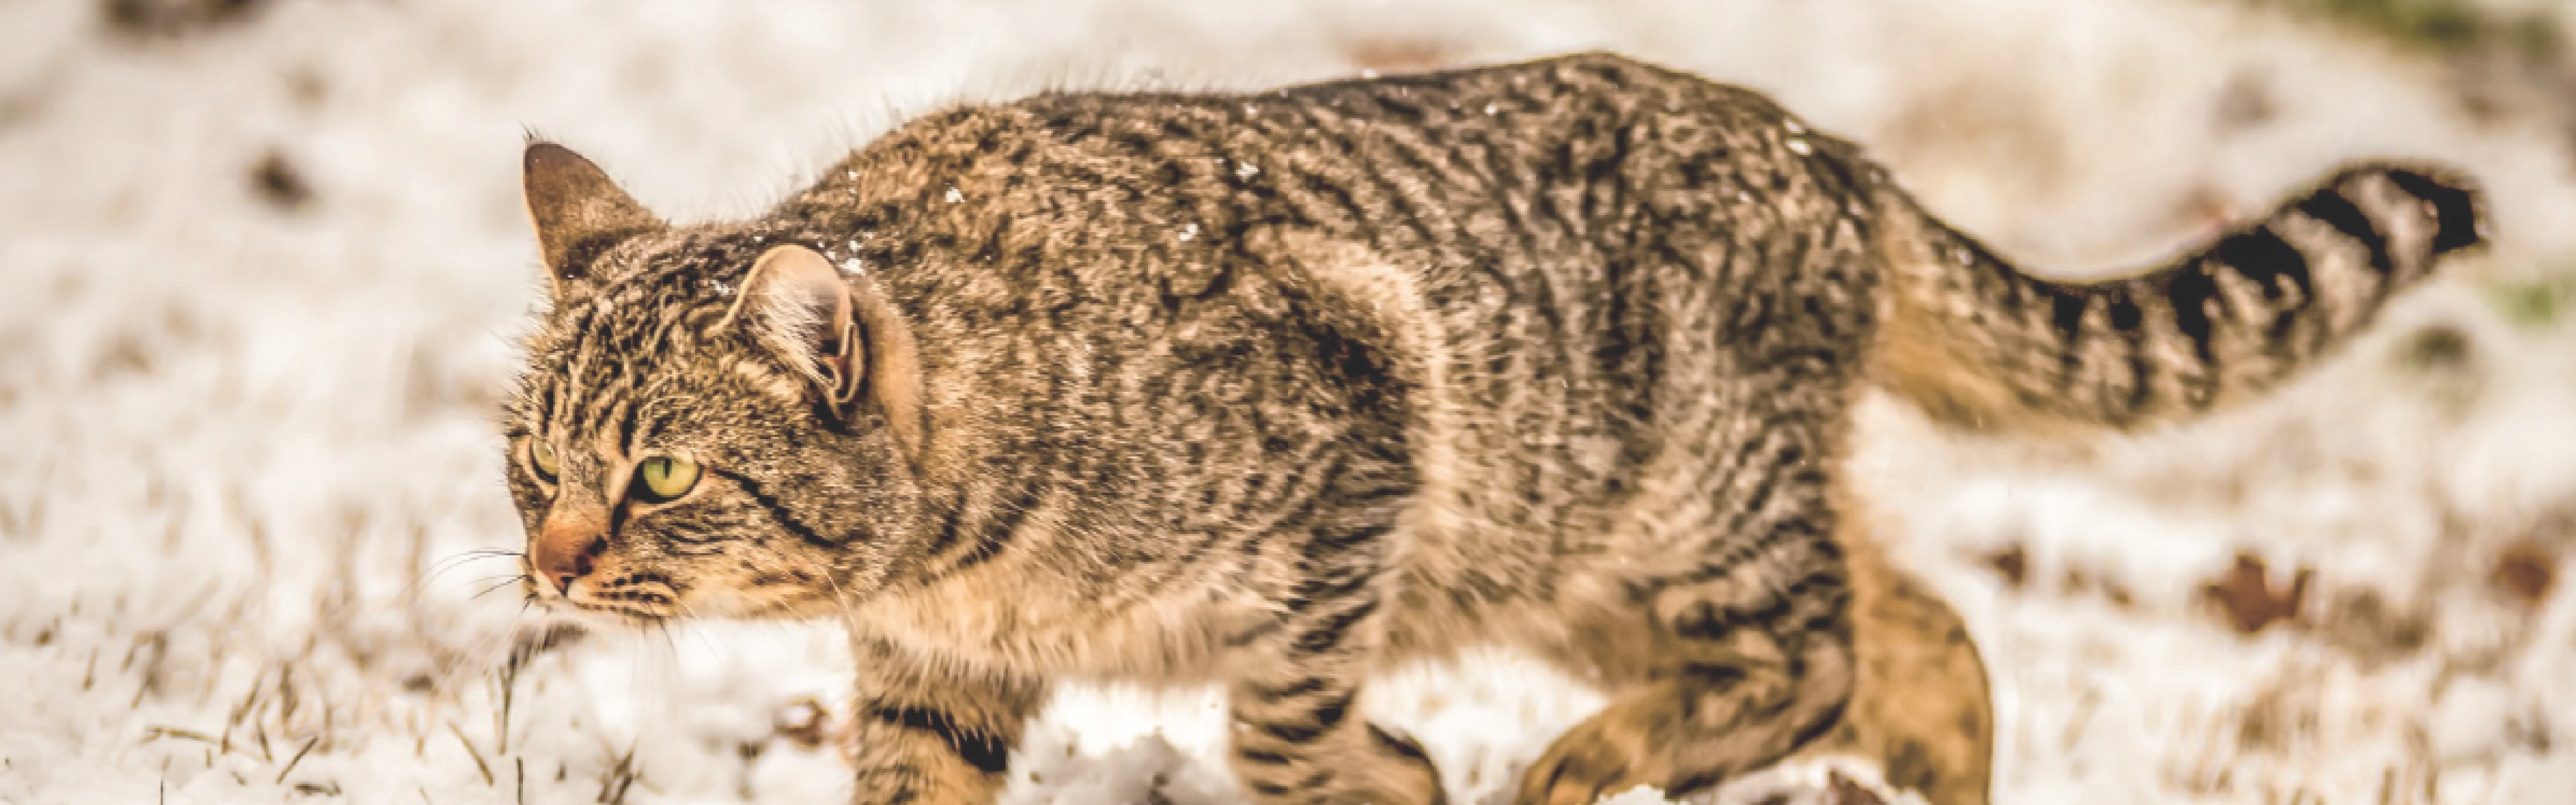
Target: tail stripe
(2193, 294)
(2129, 320)
(2346, 217)
(2066, 313)
(2263, 256)
(2455, 209)
(1972, 335)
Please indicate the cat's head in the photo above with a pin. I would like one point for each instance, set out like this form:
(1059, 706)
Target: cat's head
(710, 422)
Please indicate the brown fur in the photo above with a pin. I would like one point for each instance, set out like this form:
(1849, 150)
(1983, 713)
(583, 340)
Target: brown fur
(1920, 704)
(1275, 389)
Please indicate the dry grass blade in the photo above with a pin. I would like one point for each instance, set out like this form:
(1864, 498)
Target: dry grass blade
(157, 732)
(474, 753)
(612, 788)
(299, 758)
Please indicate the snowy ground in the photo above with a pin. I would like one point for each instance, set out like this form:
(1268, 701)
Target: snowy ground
(258, 270)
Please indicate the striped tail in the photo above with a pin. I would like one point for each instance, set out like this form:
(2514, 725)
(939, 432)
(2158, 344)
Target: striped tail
(1979, 344)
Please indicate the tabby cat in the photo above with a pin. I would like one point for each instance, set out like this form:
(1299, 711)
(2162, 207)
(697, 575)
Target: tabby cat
(1273, 390)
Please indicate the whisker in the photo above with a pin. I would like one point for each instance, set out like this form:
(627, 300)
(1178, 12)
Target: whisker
(692, 612)
(477, 657)
(515, 579)
(490, 577)
(462, 557)
(668, 644)
(840, 597)
(639, 672)
(450, 563)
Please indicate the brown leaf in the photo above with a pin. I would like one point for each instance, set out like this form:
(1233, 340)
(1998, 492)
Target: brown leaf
(2119, 595)
(2525, 572)
(2245, 595)
(2365, 623)
(803, 721)
(279, 182)
(2013, 563)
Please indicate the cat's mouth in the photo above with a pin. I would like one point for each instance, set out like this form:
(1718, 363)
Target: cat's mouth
(638, 598)
(654, 606)
(629, 614)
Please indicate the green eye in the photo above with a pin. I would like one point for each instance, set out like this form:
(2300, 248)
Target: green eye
(541, 457)
(663, 478)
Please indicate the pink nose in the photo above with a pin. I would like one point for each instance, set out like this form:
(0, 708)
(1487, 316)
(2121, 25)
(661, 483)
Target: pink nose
(565, 549)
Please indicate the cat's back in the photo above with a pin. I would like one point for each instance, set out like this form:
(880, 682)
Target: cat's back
(1518, 233)
(1377, 159)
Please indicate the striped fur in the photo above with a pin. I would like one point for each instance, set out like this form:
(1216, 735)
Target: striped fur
(1276, 389)
(1981, 344)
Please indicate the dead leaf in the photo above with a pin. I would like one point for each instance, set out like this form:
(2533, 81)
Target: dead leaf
(802, 721)
(2013, 563)
(2525, 572)
(2245, 595)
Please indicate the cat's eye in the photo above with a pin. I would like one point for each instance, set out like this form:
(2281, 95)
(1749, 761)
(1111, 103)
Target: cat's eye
(661, 479)
(541, 457)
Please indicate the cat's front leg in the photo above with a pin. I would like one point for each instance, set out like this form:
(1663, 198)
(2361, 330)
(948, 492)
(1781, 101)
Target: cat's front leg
(924, 735)
(1298, 736)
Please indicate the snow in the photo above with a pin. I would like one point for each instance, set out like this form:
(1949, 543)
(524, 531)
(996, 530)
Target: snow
(249, 448)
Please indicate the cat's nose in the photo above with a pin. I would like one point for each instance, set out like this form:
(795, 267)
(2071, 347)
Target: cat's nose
(567, 548)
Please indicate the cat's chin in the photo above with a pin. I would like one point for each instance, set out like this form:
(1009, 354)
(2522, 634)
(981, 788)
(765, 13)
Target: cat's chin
(714, 608)
(608, 614)
(726, 606)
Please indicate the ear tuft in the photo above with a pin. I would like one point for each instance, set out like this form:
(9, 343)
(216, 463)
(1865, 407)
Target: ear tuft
(575, 206)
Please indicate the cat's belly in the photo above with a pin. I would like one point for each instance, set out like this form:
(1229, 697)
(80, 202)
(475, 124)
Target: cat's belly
(1006, 619)
(1477, 569)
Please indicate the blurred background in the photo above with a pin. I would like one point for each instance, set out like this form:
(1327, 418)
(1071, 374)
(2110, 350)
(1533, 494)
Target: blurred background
(262, 262)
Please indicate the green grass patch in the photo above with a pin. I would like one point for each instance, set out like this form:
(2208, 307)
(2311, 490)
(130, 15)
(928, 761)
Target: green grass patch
(2533, 304)
(2441, 26)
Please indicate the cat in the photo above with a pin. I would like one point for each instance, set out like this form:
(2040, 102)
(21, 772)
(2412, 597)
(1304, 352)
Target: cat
(1272, 390)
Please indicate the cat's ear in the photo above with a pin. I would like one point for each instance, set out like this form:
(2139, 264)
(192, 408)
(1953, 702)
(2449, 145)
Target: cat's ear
(839, 331)
(576, 209)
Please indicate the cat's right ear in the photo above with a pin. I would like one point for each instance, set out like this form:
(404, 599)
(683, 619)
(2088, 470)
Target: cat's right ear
(841, 333)
(577, 210)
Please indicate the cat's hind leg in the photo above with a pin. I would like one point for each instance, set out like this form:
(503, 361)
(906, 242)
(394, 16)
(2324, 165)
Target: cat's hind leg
(1921, 706)
(1744, 653)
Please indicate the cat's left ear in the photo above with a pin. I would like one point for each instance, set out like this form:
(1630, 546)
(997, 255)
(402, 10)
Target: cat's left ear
(840, 332)
(577, 209)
